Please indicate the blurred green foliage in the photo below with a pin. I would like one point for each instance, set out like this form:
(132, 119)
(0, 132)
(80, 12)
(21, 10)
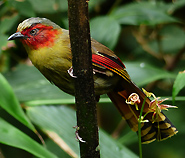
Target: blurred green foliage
(148, 36)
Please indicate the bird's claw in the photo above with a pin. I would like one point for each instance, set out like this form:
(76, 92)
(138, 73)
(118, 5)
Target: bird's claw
(70, 72)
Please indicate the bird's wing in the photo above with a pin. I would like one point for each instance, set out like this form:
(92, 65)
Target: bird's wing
(112, 63)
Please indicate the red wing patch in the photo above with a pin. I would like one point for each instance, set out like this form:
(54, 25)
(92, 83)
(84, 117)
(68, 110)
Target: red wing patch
(111, 63)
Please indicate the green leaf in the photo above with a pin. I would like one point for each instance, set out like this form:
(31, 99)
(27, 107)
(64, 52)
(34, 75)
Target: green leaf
(62, 5)
(61, 119)
(105, 30)
(7, 23)
(179, 84)
(175, 5)
(143, 73)
(10, 135)
(24, 8)
(110, 148)
(30, 85)
(95, 3)
(173, 38)
(4, 9)
(54, 148)
(3, 43)
(48, 6)
(58, 119)
(9, 102)
(148, 13)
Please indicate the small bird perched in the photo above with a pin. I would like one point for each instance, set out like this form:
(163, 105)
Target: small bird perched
(48, 47)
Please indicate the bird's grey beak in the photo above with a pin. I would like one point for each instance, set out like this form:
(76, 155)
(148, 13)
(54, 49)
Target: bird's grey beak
(16, 36)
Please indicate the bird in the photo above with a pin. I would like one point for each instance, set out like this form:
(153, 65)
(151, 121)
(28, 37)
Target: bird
(48, 47)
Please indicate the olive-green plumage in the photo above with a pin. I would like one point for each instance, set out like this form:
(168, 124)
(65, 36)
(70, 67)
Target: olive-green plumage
(48, 47)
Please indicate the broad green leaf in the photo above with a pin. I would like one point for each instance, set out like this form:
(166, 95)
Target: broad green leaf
(148, 13)
(175, 5)
(11, 136)
(143, 73)
(9, 102)
(4, 9)
(179, 84)
(7, 23)
(94, 3)
(61, 119)
(3, 43)
(24, 8)
(58, 119)
(30, 85)
(54, 148)
(48, 6)
(110, 148)
(173, 38)
(105, 30)
(62, 5)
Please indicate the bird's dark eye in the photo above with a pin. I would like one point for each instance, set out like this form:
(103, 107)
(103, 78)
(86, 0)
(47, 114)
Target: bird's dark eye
(34, 32)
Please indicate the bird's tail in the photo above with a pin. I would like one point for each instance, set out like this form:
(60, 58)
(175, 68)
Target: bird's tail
(156, 126)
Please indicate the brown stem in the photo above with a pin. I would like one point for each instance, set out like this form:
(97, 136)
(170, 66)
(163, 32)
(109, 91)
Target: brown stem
(144, 44)
(87, 128)
(173, 62)
(118, 129)
(1, 154)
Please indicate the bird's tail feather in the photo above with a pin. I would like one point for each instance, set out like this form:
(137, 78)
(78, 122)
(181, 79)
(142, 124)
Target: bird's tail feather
(156, 127)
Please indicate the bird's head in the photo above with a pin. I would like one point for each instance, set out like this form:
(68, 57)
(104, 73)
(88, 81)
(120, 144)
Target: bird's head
(36, 33)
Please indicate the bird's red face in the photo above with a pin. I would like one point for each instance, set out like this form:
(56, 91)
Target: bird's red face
(36, 36)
